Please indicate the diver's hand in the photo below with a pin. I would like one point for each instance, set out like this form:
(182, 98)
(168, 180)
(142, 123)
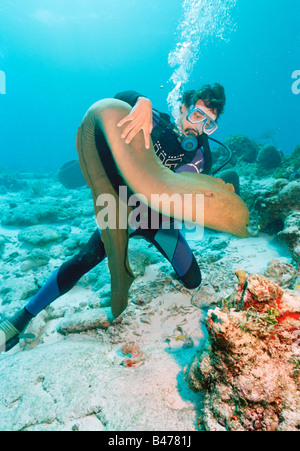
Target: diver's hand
(139, 119)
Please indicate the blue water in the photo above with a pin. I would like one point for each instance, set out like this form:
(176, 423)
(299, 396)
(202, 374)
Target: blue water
(59, 57)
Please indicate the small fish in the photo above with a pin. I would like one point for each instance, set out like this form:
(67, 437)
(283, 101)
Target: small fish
(180, 337)
(297, 287)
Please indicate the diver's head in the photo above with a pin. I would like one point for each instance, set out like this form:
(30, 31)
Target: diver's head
(200, 110)
(198, 119)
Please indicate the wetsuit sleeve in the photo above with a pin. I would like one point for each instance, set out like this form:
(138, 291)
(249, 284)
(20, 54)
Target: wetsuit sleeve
(130, 97)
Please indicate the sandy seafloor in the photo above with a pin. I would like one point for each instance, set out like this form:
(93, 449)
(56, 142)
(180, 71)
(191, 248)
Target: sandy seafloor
(78, 381)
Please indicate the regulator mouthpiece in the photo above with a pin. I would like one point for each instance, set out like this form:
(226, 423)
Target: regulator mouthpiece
(190, 143)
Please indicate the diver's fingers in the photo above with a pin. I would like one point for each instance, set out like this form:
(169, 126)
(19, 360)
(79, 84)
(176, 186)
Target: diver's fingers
(147, 134)
(132, 125)
(136, 124)
(130, 117)
(133, 132)
(147, 139)
(124, 120)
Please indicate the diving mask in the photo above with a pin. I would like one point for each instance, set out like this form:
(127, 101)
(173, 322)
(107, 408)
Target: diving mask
(200, 118)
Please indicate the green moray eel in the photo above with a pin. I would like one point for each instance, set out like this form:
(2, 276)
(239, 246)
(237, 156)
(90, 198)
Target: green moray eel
(145, 175)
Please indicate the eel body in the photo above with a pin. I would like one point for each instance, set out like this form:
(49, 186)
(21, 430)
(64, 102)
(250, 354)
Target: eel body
(149, 179)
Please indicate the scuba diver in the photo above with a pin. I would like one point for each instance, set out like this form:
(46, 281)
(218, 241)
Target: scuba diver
(182, 147)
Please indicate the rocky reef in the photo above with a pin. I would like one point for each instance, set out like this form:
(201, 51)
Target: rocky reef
(243, 149)
(249, 368)
(270, 186)
(290, 166)
(251, 158)
(269, 157)
(278, 211)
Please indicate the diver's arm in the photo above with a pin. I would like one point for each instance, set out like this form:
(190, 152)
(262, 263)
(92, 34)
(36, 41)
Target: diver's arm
(130, 97)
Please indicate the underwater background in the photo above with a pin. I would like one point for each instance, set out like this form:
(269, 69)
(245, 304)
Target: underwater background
(60, 57)
(223, 356)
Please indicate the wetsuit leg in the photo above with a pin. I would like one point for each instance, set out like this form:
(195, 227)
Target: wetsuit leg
(175, 248)
(230, 176)
(178, 252)
(169, 242)
(63, 279)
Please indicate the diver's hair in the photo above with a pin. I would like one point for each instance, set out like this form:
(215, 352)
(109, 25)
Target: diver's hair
(213, 97)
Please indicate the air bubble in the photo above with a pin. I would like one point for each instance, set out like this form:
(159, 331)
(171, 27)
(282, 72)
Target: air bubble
(202, 19)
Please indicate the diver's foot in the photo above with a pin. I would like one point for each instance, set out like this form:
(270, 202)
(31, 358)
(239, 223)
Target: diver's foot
(11, 329)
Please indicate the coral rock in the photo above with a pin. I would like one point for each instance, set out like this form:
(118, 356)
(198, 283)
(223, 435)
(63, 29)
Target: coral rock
(248, 369)
(291, 235)
(83, 321)
(136, 358)
(268, 157)
(257, 291)
(276, 205)
(282, 273)
(243, 148)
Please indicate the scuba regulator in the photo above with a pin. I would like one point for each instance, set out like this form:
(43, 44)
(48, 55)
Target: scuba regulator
(190, 143)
